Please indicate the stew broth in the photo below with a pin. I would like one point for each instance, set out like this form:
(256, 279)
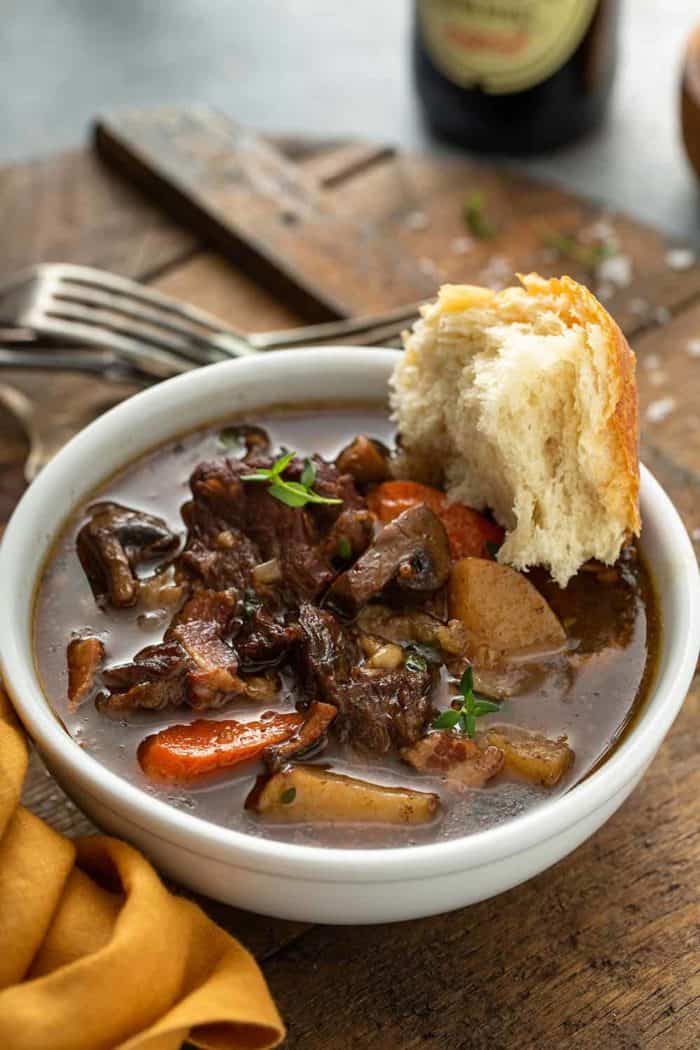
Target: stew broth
(588, 692)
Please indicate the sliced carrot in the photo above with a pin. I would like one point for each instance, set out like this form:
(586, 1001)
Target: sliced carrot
(467, 530)
(185, 752)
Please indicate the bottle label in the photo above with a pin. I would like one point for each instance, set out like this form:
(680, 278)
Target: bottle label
(502, 46)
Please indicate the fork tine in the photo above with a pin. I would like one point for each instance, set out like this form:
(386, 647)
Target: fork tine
(150, 359)
(156, 321)
(100, 281)
(391, 320)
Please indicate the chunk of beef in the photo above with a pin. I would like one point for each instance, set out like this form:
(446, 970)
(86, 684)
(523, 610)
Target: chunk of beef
(456, 758)
(326, 655)
(413, 550)
(295, 537)
(84, 656)
(154, 679)
(194, 664)
(218, 554)
(385, 709)
(212, 680)
(263, 642)
(113, 542)
(275, 530)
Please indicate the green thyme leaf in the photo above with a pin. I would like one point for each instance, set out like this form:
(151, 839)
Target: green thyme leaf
(485, 707)
(288, 796)
(415, 662)
(308, 474)
(344, 548)
(447, 720)
(472, 707)
(282, 492)
(476, 218)
(281, 464)
(466, 683)
(293, 493)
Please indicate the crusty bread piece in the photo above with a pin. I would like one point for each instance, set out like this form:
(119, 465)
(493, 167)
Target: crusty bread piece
(524, 401)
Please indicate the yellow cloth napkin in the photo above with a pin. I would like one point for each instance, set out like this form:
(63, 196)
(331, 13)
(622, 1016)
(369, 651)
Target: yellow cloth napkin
(95, 953)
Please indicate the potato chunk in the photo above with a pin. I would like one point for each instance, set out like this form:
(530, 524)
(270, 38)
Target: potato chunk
(535, 757)
(501, 610)
(308, 793)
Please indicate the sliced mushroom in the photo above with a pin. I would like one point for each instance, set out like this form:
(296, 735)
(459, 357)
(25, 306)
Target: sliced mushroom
(112, 542)
(413, 626)
(366, 459)
(310, 793)
(250, 437)
(413, 550)
(84, 656)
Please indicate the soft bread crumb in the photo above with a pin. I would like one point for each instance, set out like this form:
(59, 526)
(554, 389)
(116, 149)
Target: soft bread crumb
(524, 401)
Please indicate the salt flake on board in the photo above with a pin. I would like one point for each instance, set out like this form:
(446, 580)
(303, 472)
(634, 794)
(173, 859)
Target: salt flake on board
(616, 270)
(659, 410)
(680, 258)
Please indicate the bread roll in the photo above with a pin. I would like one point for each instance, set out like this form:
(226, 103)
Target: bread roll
(524, 402)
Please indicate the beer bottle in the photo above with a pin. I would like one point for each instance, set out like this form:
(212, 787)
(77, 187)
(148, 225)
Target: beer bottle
(514, 76)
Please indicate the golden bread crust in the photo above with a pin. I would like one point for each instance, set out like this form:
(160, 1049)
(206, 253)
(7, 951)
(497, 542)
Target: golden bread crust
(622, 490)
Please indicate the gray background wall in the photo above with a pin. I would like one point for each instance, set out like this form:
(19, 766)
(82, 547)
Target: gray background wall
(334, 67)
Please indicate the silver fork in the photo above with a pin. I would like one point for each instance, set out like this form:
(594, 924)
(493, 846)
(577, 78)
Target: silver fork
(157, 334)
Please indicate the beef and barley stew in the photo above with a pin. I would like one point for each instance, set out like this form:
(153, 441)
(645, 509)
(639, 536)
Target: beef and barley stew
(264, 626)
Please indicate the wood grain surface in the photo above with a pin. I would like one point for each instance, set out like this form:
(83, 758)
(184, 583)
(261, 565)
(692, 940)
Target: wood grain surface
(603, 950)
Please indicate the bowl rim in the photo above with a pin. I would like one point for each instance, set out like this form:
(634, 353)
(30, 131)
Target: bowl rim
(319, 863)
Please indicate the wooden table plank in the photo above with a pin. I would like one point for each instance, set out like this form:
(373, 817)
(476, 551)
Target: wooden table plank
(69, 208)
(599, 951)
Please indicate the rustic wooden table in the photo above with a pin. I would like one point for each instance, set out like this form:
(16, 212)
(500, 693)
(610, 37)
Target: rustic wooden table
(602, 950)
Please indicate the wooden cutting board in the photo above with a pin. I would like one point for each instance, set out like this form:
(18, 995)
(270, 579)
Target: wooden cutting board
(347, 229)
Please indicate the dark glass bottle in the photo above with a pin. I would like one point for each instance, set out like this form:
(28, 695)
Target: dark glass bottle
(514, 76)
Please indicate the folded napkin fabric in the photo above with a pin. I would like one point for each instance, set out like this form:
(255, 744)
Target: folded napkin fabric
(96, 954)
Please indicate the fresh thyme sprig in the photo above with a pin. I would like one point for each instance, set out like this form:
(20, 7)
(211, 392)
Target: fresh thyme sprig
(590, 256)
(472, 707)
(293, 493)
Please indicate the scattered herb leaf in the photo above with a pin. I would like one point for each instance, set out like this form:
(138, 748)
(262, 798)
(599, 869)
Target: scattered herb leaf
(293, 493)
(476, 218)
(344, 548)
(288, 796)
(590, 256)
(427, 652)
(230, 437)
(415, 662)
(492, 548)
(472, 707)
(251, 604)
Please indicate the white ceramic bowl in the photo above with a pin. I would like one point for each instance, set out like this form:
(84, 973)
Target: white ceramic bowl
(291, 881)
